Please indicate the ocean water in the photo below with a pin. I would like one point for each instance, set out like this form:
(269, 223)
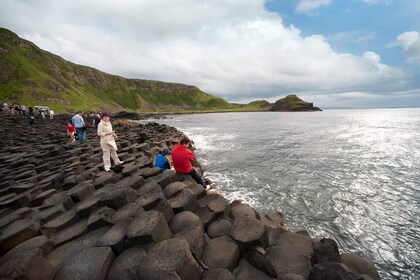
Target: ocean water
(352, 175)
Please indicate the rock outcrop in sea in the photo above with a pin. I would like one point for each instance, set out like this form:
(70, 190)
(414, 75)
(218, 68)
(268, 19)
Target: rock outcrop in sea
(63, 217)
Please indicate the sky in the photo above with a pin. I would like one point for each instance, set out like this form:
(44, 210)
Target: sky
(334, 53)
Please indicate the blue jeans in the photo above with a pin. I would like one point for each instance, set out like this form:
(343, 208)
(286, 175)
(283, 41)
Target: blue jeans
(81, 133)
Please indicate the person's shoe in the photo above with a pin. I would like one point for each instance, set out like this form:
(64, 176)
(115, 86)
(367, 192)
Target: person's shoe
(208, 187)
(120, 162)
(107, 169)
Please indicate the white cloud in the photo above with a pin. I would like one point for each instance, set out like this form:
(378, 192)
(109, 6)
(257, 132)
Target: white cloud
(410, 42)
(307, 6)
(353, 36)
(231, 48)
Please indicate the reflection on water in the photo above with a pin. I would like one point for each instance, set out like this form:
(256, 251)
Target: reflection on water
(352, 175)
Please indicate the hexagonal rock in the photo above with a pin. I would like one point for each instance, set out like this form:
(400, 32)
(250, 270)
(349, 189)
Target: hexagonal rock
(242, 210)
(221, 252)
(359, 265)
(129, 169)
(244, 271)
(247, 231)
(18, 232)
(206, 215)
(219, 228)
(39, 198)
(119, 197)
(85, 207)
(148, 172)
(219, 206)
(166, 178)
(135, 182)
(60, 222)
(58, 198)
(277, 218)
(71, 181)
(331, 271)
(125, 265)
(150, 199)
(219, 274)
(115, 236)
(147, 227)
(44, 216)
(70, 233)
(98, 258)
(15, 215)
(104, 179)
(81, 191)
(198, 190)
(256, 257)
(26, 261)
(164, 208)
(168, 259)
(21, 188)
(183, 220)
(184, 201)
(174, 188)
(127, 211)
(291, 254)
(194, 235)
(325, 250)
(100, 217)
(17, 201)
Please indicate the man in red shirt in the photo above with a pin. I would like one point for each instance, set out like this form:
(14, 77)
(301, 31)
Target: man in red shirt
(182, 158)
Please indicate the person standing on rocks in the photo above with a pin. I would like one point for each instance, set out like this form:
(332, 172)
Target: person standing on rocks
(162, 161)
(182, 158)
(80, 126)
(70, 131)
(51, 114)
(31, 122)
(108, 145)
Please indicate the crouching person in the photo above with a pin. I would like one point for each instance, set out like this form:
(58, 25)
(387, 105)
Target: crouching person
(182, 158)
(108, 145)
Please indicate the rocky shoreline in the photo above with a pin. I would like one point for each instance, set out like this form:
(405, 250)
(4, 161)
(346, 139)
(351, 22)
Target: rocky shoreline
(63, 217)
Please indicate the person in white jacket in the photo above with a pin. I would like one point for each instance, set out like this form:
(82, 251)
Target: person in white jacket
(108, 145)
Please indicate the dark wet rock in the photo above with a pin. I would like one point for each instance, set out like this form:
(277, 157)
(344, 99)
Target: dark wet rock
(127, 211)
(303, 232)
(245, 271)
(104, 179)
(256, 257)
(60, 222)
(100, 217)
(150, 199)
(17, 201)
(221, 252)
(125, 265)
(119, 197)
(84, 208)
(219, 228)
(194, 235)
(81, 191)
(359, 265)
(325, 250)
(270, 236)
(183, 220)
(247, 232)
(70, 233)
(291, 254)
(206, 215)
(147, 227)
(184, 201)
(174, 188)
(15, 215)
(39, 198)
(134, 182)
(198, 190)
(115, 236)
(48, 214)
(219, 274)
(59, 198)
(18, 232)
(72, 181)
(98, 258)
(166, 178)
(148, 172)
(26, 261)
(129, 169)
(168, 259)
(331, 271)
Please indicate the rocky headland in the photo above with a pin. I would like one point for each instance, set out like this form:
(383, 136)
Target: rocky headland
(63, 217)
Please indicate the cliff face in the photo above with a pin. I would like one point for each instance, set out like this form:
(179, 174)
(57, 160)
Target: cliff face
(293, 103)
(31, 76)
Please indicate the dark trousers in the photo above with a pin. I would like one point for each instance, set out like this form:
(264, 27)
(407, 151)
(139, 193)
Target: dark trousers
(197, 177)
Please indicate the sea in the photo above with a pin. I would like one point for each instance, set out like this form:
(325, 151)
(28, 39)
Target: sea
(352, 175)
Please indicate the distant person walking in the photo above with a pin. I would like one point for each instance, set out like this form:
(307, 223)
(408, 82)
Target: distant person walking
(31, 122)
(31, 111)
(80, 126)
(51, 114)
(96, 120)
(162, 161)
(182, 158)
(108, 145)
(70, 131)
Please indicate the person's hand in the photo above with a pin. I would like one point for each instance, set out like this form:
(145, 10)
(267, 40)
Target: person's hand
(115, 135)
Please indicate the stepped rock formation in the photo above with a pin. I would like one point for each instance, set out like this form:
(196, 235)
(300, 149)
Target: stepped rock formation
(294, 104)
(63, 217)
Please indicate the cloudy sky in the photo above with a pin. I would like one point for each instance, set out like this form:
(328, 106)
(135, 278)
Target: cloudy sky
(335, 53)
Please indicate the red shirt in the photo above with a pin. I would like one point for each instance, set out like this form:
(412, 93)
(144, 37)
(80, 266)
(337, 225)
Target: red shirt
(70, 128)
(182, 157)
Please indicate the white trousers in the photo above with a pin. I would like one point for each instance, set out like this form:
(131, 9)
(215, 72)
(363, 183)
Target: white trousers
(107, 158)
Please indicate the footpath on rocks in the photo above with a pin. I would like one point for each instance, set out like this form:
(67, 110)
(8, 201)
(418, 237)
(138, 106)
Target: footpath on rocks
(63, 217)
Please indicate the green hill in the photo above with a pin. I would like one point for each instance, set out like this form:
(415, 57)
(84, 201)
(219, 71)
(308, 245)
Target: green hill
(32, 76)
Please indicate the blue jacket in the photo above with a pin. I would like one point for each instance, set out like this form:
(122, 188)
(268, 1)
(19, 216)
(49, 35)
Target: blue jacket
(162, 162)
